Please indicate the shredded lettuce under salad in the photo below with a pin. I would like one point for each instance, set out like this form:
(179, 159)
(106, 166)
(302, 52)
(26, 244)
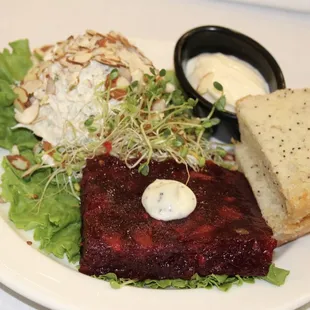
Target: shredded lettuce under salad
(56, 220)
(275, 276)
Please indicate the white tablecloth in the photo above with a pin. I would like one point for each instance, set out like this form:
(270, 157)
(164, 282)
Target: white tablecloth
(296, 5)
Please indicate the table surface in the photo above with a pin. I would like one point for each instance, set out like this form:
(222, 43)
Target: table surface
(9, 300)
(297, 5)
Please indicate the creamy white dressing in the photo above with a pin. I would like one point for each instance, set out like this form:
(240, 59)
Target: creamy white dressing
(238, 78)
(168, 200)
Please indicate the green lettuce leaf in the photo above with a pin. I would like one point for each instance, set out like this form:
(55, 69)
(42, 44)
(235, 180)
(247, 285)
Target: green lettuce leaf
(21, 137)
(14, 65)
(56, 220)
(275, 276)
(7, 96)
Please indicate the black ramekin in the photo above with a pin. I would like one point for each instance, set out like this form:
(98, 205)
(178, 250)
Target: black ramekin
(213, 39)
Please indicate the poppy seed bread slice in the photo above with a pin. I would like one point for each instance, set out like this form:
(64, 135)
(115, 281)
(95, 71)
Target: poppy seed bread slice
(268, 199)
(275, 129)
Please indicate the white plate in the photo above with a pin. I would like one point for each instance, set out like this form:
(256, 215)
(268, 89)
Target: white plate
(157, 24)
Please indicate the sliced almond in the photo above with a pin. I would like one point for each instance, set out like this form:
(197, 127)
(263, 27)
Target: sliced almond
(94, 40)
(21, 93)
(98, 51)
(91, 32)
(107, 61)
(42, 66)
(19, 106)
(59, 53)
(28, 103)
(30, 171)
(48, 148)
(94, 33)
(124, 41)
(19, 162)
(50, 87)
(72, 48)
(170, 88)
(110, 83)
(122, 82)
(43, 101)
(84, 42)
(45, 48)
(86, 49)
(48, 160)
(109, 52)
(38, 148)
(119, 38)
(102, 42)
(15, 150)
(137, 75)
(86, 64)
(35, 61)
(39, 52)
(142, 56)
(29, 114)
(63, 61)
(73, 80)
(80, 58)
(32, 75)
(111, 38)
(118, 93)
(124, 72)
(114, 58)
(62, 45)
(159, 105)
(70, 51)
(32, 86)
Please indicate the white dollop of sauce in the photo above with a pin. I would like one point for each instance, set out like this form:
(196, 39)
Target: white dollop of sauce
(238, 78)
(168, 200)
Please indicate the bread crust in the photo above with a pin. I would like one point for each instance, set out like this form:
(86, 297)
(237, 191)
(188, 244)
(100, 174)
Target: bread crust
(277, 125)
(294, 231)
(285, 229)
